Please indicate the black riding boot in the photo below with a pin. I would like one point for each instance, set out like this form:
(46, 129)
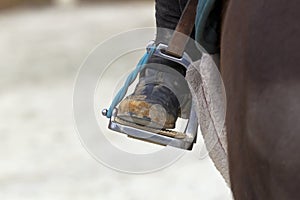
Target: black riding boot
(162, 93)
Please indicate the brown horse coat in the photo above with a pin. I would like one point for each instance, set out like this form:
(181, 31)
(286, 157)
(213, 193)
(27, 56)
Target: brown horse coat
(260, 65)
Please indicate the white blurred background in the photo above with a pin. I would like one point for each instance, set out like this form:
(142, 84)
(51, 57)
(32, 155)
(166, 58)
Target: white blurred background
(42, 45)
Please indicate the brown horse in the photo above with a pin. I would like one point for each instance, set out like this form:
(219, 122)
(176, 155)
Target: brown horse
(260, 66)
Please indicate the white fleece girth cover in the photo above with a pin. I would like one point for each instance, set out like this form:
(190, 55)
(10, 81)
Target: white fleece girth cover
(208, 92)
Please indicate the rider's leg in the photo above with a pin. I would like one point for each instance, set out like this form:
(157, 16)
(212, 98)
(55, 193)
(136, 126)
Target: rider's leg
(153, 99)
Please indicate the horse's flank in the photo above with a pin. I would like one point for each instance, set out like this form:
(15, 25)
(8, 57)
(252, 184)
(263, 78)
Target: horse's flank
(260, 67)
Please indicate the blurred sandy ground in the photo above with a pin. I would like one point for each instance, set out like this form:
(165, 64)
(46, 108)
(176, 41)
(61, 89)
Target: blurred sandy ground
(41, 156)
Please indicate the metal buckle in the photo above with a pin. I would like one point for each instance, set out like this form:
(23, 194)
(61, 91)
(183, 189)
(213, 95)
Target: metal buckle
(185, 60)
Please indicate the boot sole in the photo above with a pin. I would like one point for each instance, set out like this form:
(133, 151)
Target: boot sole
(145, 114)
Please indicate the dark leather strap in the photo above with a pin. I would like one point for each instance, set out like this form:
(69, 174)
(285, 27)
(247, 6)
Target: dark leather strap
(183, 30)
